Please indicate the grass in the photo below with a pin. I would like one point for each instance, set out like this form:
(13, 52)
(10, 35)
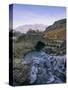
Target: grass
(59, 34)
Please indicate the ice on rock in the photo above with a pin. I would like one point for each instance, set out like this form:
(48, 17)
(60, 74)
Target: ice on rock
(44, 67)
(33, 74)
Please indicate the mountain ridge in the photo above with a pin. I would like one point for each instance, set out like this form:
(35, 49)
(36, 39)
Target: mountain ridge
(25, 28)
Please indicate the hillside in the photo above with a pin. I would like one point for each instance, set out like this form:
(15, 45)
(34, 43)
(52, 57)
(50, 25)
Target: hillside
(56, 31)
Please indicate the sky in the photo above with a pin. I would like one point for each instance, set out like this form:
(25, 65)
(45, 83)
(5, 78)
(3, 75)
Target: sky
(36, 14)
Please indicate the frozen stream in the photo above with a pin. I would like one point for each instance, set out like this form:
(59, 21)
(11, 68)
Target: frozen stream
(45, 68)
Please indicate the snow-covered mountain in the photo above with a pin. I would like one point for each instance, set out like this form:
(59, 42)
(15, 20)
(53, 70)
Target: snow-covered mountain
(25, 28)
